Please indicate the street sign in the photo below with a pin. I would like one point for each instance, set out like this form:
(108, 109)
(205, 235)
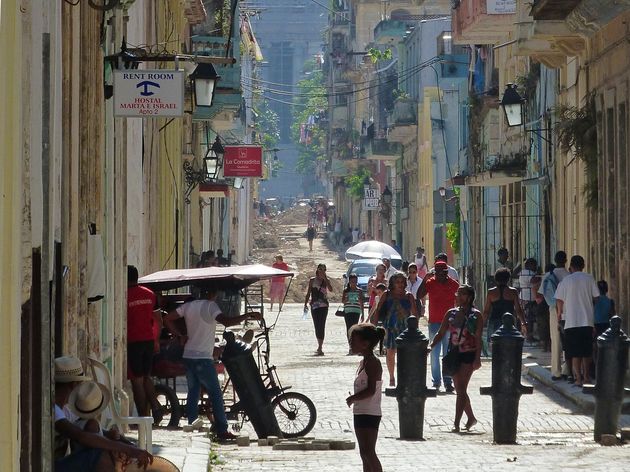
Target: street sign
(371, 198)
(242, 161)
(149, 93)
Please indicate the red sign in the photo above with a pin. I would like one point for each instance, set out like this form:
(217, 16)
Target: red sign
(242, 161)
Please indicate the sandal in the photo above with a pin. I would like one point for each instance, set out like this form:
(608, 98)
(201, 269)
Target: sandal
(470, 424)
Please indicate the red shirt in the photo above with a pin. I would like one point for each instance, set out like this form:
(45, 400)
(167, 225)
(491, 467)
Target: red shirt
(141, 302)
(282, 266)
(441, 298)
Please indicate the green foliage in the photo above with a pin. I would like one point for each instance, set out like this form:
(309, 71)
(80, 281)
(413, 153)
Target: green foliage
(266, 125)
(453, 230)
(577, 130)
(310, 100)
(222, 18)
(376, 55)
(355, 182)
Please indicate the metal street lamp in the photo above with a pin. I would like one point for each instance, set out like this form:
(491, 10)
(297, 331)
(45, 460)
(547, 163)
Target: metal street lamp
(387, 196)
(214, 159)
(512, 104)
(204, 79)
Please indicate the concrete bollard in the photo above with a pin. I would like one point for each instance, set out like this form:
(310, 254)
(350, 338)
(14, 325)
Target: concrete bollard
(612, 364)
(506, 389)
(411, 390)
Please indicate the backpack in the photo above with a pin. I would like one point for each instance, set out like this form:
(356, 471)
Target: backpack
(550, 284)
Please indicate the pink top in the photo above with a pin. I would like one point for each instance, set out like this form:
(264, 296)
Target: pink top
(370, 405)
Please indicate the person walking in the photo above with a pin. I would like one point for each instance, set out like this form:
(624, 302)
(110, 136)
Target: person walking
(373, 282)
(337, 232)
(317, 293)
(201, 318)
(452, 272)
(394, 307)
(421, 262)
(278, 284)
(352, 300)
(576, 296)
(502, 299)
(310, 235)
(463, 327)
(366, 400)
(144, 325)
(604, 309)
(548, 290)
(413, 284)
(441, 290)
(528, 296)
(389, 268)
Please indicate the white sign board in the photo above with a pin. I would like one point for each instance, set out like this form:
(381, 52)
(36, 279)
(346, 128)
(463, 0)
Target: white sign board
(371, 198)
(501, 7)
(149, 93)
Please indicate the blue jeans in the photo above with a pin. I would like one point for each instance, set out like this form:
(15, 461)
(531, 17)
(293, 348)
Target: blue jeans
(202, 372)
(440, 348)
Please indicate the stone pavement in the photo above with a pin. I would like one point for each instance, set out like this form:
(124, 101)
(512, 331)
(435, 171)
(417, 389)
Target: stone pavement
(553, 432)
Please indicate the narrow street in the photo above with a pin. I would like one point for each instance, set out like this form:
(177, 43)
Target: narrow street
(552, 432)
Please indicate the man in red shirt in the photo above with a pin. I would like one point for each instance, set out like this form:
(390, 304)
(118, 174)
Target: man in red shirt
(441, 291)
(142, 317)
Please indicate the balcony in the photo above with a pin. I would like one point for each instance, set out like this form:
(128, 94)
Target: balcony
(340, 22)
(389, 32)
(547, 41)
(380, 149)
(402, 121)
(499, 170)
(482, 22)
(228, 94)
(552, 9)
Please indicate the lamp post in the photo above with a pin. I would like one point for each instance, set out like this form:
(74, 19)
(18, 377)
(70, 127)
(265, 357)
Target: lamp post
(386, 207)
(212, 163)
(512, 104)
(204, 79)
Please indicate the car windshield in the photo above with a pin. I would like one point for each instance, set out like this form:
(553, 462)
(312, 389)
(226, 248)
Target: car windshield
(363, 270)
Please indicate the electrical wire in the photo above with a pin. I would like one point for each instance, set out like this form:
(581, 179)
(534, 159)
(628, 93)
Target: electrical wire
(398, 78)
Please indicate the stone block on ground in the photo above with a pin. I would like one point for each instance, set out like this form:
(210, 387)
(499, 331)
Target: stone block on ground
(273, 440)
(289, 446)
(242, 441)
(313, 446)
(343, 445)
(263, 442)
(188, 428)
(608, 440)
(625, 434)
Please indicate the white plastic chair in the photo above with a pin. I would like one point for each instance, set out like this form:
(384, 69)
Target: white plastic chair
(100, 373)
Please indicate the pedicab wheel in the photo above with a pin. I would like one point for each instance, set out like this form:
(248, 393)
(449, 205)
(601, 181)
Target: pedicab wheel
(295, 412)
(167, 398)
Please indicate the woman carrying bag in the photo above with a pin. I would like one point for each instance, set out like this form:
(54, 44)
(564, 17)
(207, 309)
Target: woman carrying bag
(352, 305)
(464, 325)
(317, 292)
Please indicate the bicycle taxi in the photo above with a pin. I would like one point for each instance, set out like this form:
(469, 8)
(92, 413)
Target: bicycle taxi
(241, 291)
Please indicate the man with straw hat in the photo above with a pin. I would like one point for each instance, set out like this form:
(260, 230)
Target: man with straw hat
(68, 375)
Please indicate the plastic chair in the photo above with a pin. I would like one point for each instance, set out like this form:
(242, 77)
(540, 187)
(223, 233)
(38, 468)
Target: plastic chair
(100, 373)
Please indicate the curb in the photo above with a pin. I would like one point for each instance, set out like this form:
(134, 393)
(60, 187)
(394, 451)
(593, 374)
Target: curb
(584, 401)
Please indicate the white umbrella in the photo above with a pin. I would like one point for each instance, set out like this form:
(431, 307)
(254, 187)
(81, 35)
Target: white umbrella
(371, 250)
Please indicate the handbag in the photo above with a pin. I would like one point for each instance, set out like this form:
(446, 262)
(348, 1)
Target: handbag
(450, 360)
(340, 311)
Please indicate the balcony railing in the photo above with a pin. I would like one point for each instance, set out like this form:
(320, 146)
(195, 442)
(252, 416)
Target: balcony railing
(382, 149)
(404, 113)
(389, 31)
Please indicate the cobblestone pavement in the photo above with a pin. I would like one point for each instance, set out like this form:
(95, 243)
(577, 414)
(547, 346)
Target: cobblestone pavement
(552, 433)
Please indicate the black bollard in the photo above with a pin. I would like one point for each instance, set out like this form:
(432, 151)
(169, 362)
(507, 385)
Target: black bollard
(612, 364)
(253, 398)
(506, 389)
(411, 389)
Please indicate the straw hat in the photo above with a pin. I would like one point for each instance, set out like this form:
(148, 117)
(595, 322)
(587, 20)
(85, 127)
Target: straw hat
(159, 465)
(69, 369)
(88, 400)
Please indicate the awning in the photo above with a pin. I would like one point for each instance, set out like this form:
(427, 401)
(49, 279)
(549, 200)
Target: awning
(214, 190)
(220, 277)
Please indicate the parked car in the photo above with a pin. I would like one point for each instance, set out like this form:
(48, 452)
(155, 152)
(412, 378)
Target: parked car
(364, 268)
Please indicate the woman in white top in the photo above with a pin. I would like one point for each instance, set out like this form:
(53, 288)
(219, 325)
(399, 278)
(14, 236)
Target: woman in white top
(366, 400)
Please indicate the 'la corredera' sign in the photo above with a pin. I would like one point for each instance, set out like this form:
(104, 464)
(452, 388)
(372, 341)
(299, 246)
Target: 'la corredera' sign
(242, 161)
(149, 93)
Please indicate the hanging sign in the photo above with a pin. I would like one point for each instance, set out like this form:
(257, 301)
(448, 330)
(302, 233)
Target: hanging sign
(371, 198)
(501, 7)
(149, 93)
(242, 161)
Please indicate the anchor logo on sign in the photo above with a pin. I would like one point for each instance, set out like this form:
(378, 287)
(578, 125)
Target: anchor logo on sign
(146, 84)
